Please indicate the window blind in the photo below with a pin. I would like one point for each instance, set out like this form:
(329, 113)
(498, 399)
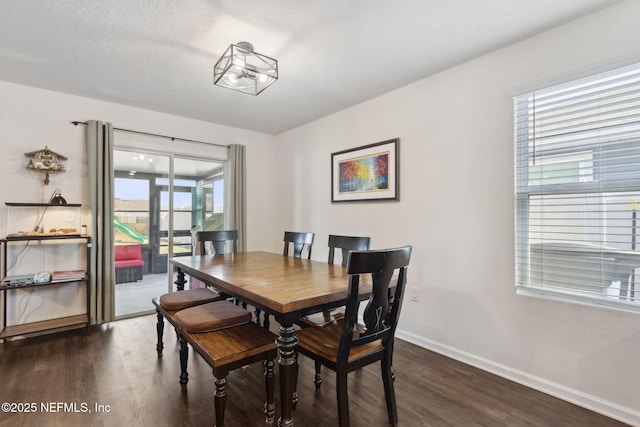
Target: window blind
(577, 190)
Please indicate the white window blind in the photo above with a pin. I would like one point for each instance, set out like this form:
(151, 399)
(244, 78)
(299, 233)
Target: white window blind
(577, 190)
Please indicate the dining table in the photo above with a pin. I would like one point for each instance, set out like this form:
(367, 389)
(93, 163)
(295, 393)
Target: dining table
(285, 287)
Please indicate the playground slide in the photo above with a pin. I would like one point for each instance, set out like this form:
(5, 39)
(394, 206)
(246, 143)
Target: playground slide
(128, 230)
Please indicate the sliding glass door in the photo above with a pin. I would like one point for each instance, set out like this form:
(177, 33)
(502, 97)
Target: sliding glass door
(160, 201)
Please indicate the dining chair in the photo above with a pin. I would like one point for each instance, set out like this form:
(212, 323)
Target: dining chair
(300, 241)
(225, 336)
(218, 240)
(168, 304)
(345, 244)
(344, 345)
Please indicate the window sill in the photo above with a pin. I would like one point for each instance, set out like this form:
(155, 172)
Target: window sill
(604, 301)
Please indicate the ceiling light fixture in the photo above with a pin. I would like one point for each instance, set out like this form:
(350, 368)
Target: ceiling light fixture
(241, 69)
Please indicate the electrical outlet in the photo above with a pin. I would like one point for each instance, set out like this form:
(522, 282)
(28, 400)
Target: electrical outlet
(415, 294)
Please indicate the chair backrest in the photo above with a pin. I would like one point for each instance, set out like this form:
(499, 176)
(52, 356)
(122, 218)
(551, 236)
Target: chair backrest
(218, 240)
(299, 240)
(383, 307)
(346, 243)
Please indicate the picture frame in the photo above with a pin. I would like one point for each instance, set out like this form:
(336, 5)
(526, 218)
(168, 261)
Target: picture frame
(366, 173)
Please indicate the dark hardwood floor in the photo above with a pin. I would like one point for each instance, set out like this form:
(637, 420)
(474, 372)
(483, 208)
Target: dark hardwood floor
(116, 367)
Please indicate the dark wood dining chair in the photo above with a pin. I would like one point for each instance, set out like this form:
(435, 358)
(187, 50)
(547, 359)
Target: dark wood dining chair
(345, 244)
(218, 240)
(345, 345)
(168, 304)
(299, 241)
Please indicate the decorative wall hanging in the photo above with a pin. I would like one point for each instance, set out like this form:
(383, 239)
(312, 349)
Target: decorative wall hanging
(45, 161)
(366, 173)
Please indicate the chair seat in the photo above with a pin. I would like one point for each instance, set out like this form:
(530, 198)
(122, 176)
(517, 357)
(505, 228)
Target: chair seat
(324, 341)
(174, 301)
(212, 316)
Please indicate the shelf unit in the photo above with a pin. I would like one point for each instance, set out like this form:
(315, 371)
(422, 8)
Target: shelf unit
(78, 320)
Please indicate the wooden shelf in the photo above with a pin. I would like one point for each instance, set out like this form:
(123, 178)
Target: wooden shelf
(64, 322)
(52, 237)
(73, 205)
(37, 285)
(45, 325)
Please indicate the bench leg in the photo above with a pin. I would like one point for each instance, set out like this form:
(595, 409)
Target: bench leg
(220, 400)
(160, 331)
(270, 385)
(184, 356)
(317, 380)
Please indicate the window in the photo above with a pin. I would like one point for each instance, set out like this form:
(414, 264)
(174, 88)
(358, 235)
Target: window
(577, 190)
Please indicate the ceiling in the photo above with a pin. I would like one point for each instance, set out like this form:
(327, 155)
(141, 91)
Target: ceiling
(333, 54)
(136, 162)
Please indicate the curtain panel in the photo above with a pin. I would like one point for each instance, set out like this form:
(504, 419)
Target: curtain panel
(101, 183)
(237, 176)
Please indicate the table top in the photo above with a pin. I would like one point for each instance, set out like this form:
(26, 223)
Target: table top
(273, 281)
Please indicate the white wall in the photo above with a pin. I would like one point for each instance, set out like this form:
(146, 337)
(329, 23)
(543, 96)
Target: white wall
(456, 209)
(31, 118)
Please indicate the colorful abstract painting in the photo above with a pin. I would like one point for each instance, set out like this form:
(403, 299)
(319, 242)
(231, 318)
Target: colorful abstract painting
(365, 173)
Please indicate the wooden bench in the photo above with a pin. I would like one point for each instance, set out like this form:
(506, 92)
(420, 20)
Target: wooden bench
(168, 304)
(223, 334)
(233, 348)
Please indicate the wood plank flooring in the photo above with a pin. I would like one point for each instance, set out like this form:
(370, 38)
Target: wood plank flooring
(116, 368)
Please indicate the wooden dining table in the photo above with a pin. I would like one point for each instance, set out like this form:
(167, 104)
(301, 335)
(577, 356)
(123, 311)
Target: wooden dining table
(282, 286)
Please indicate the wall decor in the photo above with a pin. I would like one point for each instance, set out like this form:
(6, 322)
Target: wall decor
(366, 173)
(45, 161)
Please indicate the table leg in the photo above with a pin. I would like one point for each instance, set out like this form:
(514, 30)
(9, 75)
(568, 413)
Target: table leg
(180, 280)
(286, 343)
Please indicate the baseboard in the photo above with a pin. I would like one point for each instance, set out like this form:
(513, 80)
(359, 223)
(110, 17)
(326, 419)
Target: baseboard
(601, 406)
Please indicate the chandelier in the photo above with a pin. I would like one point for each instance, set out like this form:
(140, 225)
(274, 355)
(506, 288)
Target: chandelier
(242, 69)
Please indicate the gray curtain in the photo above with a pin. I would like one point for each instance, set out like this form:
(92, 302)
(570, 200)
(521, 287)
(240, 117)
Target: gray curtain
(101, 181)
(238, 193)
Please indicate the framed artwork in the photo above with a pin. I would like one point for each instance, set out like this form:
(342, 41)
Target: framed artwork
(366, 173)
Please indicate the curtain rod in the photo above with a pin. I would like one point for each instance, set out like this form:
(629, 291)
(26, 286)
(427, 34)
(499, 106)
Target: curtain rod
(173, 138)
